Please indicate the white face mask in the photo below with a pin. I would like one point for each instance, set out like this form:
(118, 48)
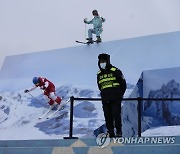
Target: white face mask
(103, 65)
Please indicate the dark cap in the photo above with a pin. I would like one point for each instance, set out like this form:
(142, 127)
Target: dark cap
(104, 57)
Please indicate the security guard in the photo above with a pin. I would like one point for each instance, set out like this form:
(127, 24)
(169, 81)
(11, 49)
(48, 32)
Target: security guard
(112, 85)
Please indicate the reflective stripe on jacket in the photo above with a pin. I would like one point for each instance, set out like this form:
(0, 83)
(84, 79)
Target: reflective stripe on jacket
(108, 80)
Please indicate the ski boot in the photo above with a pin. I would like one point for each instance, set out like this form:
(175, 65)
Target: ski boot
(90, 41)
(98, 39)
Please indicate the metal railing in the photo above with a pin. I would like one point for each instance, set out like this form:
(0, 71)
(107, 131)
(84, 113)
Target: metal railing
(139, 109)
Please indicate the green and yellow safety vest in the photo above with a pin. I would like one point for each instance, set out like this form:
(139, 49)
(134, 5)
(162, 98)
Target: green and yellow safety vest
(107, 80)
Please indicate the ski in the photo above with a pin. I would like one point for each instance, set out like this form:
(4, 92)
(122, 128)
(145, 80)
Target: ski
(54, 113)
(50, 109)
(86, 42)
(59, 109)
(62, 115)
(82, 42)
(46, 113)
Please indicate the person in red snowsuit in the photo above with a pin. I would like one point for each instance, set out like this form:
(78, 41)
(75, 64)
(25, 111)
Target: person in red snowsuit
(49, 90)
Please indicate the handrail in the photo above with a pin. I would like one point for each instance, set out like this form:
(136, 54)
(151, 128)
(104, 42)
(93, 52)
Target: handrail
(138, 99)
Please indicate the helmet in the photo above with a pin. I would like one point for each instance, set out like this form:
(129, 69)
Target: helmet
(95, 12)
(35, 80)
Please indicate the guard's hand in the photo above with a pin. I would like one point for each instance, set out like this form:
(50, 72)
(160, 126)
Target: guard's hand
(26, 91)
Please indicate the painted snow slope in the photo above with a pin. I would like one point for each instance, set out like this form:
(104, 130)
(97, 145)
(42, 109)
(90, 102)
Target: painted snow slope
(163, 131)
(78, 65)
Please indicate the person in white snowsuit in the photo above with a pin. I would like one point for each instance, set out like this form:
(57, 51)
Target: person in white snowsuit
(97, 27)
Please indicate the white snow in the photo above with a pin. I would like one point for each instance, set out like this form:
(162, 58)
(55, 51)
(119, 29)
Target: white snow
(73, 70)
(78, 65)
(163, 131)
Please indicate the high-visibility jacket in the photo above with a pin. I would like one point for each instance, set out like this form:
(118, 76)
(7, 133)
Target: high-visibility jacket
(111, 83)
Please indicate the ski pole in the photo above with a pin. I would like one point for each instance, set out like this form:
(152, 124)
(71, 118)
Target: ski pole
(85, 32)
(36, 99)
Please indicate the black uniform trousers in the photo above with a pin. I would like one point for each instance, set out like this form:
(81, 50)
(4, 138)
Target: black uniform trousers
(112, 114)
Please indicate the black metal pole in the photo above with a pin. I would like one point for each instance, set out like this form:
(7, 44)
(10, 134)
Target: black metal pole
(139, 99)
(71, 116)
(71, 120)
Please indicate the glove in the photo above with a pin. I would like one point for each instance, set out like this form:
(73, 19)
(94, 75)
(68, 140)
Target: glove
(26, 91)
(102, 19)
(85, 20)
(43, 87)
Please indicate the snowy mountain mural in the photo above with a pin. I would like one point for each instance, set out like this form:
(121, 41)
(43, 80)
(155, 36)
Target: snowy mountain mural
(159, 83)
(20, 112)
(73, 70)
(162, 83)
(167, 112)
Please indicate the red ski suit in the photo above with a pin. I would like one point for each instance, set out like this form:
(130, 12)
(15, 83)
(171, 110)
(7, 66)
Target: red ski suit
(49, 90)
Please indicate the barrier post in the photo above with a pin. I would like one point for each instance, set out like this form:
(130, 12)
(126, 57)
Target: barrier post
(71, 120)
(139, 99)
